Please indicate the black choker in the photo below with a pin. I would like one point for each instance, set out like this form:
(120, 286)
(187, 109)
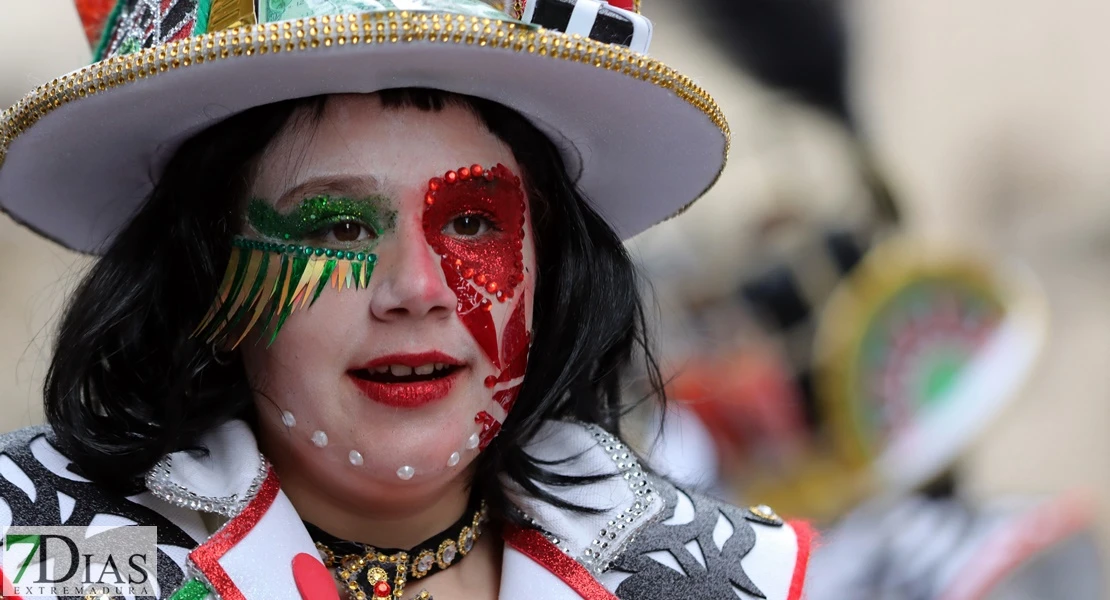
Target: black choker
(366, 572)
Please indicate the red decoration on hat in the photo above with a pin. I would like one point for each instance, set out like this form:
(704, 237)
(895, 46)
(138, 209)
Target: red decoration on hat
(94, 16)
(629, 5)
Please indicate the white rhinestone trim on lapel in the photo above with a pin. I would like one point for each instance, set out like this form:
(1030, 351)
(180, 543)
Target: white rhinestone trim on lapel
(161, 484)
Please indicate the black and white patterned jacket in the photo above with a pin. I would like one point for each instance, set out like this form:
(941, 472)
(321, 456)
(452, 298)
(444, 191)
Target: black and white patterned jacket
(652, 541)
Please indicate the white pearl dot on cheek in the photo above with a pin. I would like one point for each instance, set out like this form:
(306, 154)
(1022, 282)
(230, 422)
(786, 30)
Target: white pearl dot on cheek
(454, 459)
(472, 442)
(320, 439)
(356, 458)
(288, 419)
(406, 472)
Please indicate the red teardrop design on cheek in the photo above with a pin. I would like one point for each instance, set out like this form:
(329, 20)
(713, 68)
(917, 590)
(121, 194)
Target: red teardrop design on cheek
(507, 398)
(514, 347)
(490, 428)
(313, 579)
(478, 322)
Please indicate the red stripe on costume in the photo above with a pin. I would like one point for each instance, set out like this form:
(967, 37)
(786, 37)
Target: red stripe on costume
(806, 537)
(7, 586)
(534, 545)
(207, 556)
(1019, 541)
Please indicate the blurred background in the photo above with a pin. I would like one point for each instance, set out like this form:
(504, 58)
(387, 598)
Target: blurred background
(946, 159)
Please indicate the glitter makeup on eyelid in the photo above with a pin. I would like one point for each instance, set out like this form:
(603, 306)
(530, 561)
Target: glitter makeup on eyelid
(318, 212)
(276, 280)
(494, 261)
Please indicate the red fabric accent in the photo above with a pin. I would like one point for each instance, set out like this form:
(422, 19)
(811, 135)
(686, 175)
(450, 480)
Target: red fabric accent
(806, 537)
(313, 579)
(1006, 551)
(7, 586)
(94, 16)
(534, 545)
(207, 556)
(625, 4)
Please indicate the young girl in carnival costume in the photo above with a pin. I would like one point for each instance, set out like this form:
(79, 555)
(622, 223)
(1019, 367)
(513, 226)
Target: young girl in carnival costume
(362, 307)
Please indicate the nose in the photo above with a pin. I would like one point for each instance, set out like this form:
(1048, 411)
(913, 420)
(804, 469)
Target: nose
(410, 280)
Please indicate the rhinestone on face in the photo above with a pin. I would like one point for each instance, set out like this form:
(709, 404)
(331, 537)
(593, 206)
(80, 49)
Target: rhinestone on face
(453, 459)
(406, 472)
(288, 419)
(355, 457)
(320, 439)
(472, 442)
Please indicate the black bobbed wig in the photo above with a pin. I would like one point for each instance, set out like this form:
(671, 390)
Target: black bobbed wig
(128, 384)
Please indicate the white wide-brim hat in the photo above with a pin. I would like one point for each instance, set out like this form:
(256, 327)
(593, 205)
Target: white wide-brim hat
(80, 154)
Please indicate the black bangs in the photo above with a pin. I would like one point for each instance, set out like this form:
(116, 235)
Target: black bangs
(127, 384)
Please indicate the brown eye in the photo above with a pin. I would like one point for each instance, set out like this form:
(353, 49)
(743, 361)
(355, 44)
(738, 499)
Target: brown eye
(350, 232)
(468, 226)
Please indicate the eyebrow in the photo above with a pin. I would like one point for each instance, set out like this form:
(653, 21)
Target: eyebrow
(355, 186)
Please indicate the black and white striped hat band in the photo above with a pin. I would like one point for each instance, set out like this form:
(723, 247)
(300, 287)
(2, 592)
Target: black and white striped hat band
(595, 19)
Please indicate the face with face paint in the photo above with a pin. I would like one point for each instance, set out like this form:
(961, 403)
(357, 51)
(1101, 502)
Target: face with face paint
(400, 262)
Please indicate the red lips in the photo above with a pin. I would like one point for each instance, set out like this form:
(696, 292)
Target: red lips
(413, 360)
(407, 391)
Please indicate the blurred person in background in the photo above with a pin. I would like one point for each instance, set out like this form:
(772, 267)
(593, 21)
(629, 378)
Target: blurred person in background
(839, 368)
(362, 310)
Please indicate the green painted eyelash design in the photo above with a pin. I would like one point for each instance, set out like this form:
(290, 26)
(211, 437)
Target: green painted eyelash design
(275, 280)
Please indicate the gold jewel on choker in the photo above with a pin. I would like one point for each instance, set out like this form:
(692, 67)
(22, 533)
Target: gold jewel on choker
(368, 573)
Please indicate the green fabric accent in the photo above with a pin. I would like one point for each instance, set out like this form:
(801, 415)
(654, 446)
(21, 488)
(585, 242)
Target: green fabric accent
(106, 35)
(204, 10)
(218, 323)
(275, 296)
(299, 265)
(324, 276)
(366, 273)
(192, 590)
(356, 269)
(252, 296)
(283, 10)
(940, 380)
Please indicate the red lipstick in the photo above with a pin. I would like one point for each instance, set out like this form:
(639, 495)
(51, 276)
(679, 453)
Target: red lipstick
(407, 390)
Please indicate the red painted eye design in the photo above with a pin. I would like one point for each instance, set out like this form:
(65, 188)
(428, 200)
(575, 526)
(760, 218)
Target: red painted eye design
(474, 218)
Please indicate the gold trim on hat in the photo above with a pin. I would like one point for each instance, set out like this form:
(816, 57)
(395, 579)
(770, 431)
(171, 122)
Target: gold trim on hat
(326, 32)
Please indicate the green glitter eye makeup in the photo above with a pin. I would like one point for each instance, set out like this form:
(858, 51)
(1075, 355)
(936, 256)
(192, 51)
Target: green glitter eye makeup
(324, 220)
(274, 279)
